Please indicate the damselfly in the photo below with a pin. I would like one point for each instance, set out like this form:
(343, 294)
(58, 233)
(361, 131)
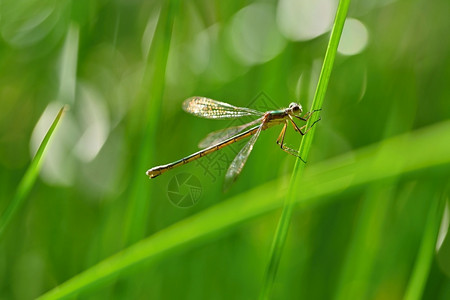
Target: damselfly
(212, 109)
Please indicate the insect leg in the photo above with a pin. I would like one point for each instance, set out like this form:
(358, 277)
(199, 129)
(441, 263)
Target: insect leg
(281, 136)
(280, 141)
(296, 128)
(307, 115)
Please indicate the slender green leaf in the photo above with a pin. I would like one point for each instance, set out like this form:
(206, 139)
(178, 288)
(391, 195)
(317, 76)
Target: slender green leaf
(426, 253)
(285, 219)
(29, 178)
(152, 91)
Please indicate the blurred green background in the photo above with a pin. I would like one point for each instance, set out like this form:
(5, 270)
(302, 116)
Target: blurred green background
(124, 70)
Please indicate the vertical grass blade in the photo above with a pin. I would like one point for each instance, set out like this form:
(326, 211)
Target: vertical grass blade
(152, 91)
(283, 225)
(29, 178)
(424, 259)
(367, 238)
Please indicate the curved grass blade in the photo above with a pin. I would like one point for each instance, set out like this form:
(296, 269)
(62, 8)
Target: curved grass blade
(322, 180)
(285, 219)
(29, 178)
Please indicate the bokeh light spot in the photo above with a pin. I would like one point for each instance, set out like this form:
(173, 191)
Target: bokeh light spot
(354, 37)
(96, 125)
(301, 20)
(253, 34)
(26, 25)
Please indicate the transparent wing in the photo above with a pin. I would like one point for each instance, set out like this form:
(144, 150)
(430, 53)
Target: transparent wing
(239, 161)
(212, 109)
(224, 134)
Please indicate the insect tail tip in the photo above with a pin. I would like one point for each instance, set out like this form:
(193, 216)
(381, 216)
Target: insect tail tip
(151, 174)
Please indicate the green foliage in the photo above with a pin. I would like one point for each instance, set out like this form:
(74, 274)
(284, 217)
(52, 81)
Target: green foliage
(424, 259)
(152, 91)
(28, 179)
(366, 209)
(305, 146)
(318, 184)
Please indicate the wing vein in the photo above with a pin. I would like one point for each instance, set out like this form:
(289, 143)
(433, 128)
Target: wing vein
(221, 135)
(212, 109)
(239, 161)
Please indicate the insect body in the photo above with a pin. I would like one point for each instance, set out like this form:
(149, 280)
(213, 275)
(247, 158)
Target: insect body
(212, 109)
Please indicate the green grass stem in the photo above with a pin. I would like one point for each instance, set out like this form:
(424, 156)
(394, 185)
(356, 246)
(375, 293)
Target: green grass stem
(285, 219)
(427, 248)
(29, 178)
(152, 91)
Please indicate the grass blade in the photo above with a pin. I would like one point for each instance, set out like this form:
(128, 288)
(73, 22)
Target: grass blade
(29, 178)
(152, 90)
(321, 180)
(425, 256)
(283, 225)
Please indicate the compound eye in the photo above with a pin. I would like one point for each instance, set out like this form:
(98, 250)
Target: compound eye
(295, 108)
